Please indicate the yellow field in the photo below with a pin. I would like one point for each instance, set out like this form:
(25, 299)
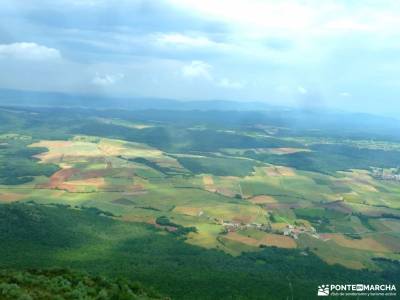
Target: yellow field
(262, 199)
(10, 197)
(79, 185)
(208, 183)
(231, 212)
(234, 236)
(208, 180)
(189, 211)
(276, 171)
(86, 161)
(359, 180)
(278, 240)
(366, 243)
(268, 239)
(79, 149)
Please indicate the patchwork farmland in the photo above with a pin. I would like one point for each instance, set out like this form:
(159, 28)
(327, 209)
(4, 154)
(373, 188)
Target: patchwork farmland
(277, 204)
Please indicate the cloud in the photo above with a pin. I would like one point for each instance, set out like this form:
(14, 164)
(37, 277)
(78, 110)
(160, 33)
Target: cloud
(348, 24)
(202, 70)
(262, 14)
(298, 16)
(107, 79)
(197, 69)
(28, 51)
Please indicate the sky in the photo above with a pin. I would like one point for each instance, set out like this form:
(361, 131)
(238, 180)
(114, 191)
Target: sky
(303, 53)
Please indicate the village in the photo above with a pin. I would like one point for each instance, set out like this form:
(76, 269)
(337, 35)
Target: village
(288, 230)
(382, 174)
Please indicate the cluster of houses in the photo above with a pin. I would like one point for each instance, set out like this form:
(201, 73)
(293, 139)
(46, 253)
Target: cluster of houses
(294, 231)
(234, 226)
(381, 174)
(290, 230)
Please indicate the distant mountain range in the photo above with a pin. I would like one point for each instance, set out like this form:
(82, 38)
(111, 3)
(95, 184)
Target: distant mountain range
(311, 120)
(35, 98)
